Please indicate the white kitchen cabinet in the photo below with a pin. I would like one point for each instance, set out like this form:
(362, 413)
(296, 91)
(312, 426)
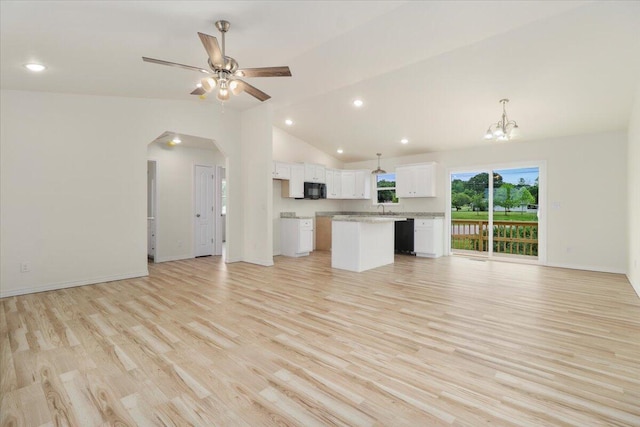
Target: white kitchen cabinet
(294, 187)
(416, 180)
(281, 170)
(356, 184)
(428, 238)
(314, 173)
(363, 184)
(348, 179)
(296, 236)
(334, 183)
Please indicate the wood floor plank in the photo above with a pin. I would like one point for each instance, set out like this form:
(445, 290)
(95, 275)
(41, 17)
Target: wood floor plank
(448, 341)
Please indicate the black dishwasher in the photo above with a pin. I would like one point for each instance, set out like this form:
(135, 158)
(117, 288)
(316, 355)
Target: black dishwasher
(404, 236)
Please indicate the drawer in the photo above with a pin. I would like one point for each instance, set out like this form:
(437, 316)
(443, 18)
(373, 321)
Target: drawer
(306, 223)
(423, 223)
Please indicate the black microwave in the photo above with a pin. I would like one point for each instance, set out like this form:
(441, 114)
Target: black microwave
(315, 190)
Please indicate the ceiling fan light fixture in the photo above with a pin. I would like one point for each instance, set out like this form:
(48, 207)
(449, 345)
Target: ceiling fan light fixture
(223, 94)
(224, 69)
(209, 83)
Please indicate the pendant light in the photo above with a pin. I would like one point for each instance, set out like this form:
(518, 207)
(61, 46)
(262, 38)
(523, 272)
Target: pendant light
(505, 129)
(378, 171)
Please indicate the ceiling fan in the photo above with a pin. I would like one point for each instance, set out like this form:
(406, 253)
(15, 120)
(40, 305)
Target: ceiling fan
(224, 71)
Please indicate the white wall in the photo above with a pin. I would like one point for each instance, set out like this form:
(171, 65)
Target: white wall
(633, 194)
(73, 183)
(586, 177)
(288, 148)
(257, 148)
(175, 196)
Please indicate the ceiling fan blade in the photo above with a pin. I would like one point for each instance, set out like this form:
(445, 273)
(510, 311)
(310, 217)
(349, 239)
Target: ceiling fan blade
(174, 64)
(265, 72)
(251, 90)
(198, 91)
(210, 44)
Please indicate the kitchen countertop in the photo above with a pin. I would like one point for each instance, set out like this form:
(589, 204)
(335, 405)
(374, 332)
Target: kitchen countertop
(367, 218)
(404, 215)
(292, 215)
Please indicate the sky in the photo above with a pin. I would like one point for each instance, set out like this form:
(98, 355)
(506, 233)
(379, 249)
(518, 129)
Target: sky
(512, 175)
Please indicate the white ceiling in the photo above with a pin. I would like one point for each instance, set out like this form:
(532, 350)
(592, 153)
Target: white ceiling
(432, 72)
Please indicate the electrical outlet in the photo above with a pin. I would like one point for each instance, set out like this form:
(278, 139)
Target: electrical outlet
(25, 267)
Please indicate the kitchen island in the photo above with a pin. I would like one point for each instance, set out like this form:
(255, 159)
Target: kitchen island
(361, 243)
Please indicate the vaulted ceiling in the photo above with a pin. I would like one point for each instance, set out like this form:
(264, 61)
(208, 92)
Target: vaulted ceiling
(431, 72)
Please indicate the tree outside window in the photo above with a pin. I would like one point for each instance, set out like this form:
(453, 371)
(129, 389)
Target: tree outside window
(386, 188)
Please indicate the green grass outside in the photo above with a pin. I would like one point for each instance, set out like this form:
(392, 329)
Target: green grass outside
(497, 216)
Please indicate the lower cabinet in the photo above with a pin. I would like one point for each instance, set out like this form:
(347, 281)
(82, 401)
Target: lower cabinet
(428, 237)
(296, 236)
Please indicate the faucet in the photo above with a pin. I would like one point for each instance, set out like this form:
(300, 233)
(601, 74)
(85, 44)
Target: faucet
(380, 204)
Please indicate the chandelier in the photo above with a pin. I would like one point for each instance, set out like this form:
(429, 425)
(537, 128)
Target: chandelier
(505, 129)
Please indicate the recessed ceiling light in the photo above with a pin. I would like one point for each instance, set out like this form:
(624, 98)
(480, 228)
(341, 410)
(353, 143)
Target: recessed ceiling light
(404, 141)
(340, 150)
(288, 122)
(35, 67)
(358, 103)
(176, 140)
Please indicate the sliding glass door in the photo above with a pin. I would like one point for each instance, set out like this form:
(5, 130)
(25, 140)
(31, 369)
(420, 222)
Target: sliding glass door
(470, 212)
(498, 216)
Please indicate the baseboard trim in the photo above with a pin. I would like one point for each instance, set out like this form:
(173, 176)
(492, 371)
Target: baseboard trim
(635, 286)
(172, 258)
(265, 263)
(586, 268)
(230, 260)
(73, 284)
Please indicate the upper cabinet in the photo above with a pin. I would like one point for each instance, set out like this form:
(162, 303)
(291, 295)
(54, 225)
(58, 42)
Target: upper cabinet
(294, 187)
(314, 173)
(416, 180)
(334, 183)
(341, 184)
(281, 170)
(363, 184)
(356, 184)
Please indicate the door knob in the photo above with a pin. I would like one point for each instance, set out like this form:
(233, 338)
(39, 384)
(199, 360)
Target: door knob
(198, 215)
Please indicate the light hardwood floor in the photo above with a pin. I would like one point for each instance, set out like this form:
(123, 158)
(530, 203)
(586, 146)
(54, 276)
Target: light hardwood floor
(423, 342)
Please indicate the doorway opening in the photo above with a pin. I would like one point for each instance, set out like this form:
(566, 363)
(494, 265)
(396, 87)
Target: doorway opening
(187, 221)
(497, 217)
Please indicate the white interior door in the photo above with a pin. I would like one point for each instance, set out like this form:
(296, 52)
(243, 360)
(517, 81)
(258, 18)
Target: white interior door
(204, 214)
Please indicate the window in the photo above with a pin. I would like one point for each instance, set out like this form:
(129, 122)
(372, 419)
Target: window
(386, 188)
